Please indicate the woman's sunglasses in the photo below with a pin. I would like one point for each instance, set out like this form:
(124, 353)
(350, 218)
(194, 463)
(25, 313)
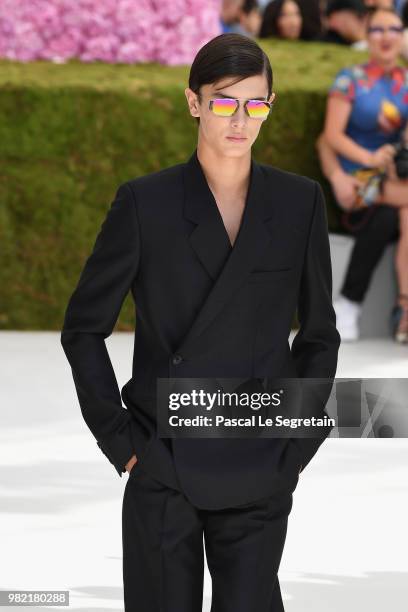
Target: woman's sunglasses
(227, 107)
(380, 31)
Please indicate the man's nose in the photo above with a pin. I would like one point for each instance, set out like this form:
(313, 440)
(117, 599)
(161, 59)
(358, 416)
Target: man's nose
(240, 117)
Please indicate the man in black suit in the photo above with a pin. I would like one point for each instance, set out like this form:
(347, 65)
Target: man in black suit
(218, 253)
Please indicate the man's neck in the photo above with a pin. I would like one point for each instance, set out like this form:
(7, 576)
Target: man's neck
(225, 175)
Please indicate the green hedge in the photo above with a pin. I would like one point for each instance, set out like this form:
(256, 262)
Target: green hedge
(71, 133)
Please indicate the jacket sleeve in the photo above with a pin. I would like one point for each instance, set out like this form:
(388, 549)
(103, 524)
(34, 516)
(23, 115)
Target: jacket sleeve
(90, 317)
(315, 346)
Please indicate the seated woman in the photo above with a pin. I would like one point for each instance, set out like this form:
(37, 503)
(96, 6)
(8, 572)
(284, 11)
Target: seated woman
(367, 111)
(291, 19)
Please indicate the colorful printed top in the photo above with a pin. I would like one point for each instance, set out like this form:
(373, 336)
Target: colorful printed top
(379, 105)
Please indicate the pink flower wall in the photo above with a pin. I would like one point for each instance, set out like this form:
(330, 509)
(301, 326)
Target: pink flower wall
(165, 31)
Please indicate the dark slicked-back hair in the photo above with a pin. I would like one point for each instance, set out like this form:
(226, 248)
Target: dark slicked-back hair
(229, 55)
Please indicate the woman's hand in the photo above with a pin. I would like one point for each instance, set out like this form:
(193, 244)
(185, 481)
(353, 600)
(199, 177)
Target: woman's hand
(381, 157)
(345, 188)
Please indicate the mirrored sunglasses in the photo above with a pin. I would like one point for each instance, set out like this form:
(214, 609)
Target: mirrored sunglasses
(226, 107)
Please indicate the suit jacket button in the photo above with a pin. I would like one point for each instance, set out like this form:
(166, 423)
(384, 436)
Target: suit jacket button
(177, 359)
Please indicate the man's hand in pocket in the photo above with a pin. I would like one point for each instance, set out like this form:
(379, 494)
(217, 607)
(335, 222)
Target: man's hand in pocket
(131, 463)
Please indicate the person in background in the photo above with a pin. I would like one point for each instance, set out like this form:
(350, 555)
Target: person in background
(245, 17)
(249, 19)
(282, 19)
(344, 23)
(229, 14)
(312, 26)
(367, 111)
(291, 20)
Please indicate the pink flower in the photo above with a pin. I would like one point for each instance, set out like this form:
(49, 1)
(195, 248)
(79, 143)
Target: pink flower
(127, 31)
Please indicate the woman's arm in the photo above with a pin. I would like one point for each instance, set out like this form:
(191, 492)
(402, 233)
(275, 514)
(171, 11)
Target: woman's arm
(344, 185)
(328, 159)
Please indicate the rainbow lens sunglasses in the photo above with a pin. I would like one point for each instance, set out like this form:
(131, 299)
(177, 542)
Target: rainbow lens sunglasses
(227, 107)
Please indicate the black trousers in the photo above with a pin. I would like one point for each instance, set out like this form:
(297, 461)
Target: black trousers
(375, 227)
(163, 551)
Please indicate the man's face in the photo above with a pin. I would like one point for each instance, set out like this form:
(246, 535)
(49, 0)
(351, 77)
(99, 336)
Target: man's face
(216, 131)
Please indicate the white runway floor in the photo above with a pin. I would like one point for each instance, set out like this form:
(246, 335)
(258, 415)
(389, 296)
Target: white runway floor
(60, 514)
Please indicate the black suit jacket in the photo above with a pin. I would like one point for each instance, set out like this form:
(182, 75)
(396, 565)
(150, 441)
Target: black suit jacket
(204, 309)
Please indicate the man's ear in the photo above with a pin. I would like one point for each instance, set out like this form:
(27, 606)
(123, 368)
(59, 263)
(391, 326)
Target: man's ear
(192, 102)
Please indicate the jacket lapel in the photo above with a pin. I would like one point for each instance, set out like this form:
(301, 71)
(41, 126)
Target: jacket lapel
(209, 240)
(228, 266)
